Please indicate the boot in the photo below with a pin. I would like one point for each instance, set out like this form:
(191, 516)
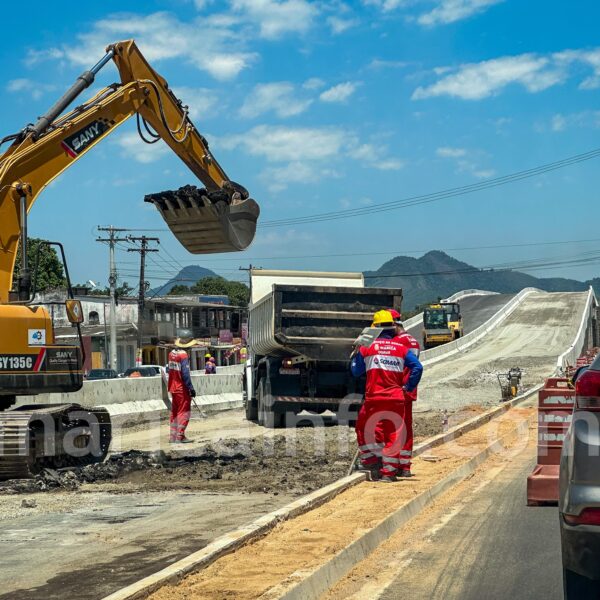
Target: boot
(372, 471)
(388, 479)
(405, 473)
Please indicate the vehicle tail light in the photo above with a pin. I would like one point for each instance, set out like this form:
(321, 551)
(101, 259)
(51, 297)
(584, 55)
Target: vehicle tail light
(588, 516)
(287, 363)
(587, 391)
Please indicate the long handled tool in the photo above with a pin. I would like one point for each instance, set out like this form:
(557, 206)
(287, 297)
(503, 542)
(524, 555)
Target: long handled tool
(203, 415)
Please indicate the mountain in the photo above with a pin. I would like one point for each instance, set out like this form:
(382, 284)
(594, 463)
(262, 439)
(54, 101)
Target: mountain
(187, 276)
(436, 274)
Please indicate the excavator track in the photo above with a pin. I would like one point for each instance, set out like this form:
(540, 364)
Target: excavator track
(51, 436)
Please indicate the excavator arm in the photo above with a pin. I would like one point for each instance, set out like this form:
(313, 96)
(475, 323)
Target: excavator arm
(221, 218)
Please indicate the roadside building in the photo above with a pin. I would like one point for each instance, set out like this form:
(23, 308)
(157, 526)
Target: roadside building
(217, 326)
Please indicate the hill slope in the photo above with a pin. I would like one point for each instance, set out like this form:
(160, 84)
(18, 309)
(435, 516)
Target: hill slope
(436, 274)
(187, 276)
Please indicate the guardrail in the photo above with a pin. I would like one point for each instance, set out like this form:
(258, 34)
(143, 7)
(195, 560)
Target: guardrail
(573, 352)
(435, 354)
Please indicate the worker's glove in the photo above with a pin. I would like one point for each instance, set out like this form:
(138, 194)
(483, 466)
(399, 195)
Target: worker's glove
(193, 393)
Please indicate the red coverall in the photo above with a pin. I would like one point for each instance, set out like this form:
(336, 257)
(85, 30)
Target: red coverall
(180, 387)
(407, 449)
(383, 413)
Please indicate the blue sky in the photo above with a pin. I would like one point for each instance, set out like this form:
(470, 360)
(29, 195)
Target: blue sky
(328, 105)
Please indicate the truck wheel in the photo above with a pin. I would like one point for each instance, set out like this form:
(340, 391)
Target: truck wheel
(578, 587)
(267, 417)
(251, 410)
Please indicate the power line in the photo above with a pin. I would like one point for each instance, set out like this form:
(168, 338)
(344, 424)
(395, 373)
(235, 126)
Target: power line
(436, 196)
(400, 252)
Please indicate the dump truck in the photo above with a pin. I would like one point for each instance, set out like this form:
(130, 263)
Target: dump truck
(302, 327)
(442, 323)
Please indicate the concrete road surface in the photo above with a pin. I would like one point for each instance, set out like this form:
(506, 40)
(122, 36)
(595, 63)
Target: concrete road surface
(532, 337)
(475, 310)
(494, 547)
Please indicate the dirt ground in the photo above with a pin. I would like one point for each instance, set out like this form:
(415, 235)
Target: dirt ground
(291, 462)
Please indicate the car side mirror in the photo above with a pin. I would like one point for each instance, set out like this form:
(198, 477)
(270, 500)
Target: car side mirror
(74, 311)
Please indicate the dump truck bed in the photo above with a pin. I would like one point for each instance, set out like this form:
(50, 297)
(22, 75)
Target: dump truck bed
(319, 322)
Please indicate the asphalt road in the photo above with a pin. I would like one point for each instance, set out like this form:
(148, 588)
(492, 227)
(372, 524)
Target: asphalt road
(475, 310)
(492, 547)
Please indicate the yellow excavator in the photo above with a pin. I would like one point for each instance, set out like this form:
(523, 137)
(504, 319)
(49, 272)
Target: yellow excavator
(220, 217)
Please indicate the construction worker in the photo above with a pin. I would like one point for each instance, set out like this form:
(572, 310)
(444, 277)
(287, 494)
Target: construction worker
(180, 387)
(380, 426)
(210, 368)
(412, 344)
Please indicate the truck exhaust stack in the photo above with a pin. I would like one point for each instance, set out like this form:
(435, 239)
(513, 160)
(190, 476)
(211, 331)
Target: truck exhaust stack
(208, 222)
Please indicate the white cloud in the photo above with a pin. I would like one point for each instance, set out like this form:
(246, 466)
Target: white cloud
(34, 89)
(484, 174)
(277, 17)
(481, 80)
(562, 122)
(297, 154)
(559, 123)
(450, 11)
(281, 98)
(38, 56)
(339, 25)
(339, 93)
(592, 59)
(284, 144)
(207, 43)
(201, 102)
(377, 64)
(386, 5)
(465, 161)
(448, 152)
(534, 72)
(133, 147)
(314, 83)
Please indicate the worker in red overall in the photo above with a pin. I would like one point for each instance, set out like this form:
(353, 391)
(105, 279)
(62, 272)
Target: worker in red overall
(380, 427)
(412, 344)
(181, 388)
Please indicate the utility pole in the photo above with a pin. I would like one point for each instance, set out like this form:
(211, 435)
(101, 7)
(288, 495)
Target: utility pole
(112, 281)
(249, 269)
(143, 250)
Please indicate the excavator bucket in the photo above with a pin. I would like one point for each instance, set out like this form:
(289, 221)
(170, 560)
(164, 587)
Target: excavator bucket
(207, 222)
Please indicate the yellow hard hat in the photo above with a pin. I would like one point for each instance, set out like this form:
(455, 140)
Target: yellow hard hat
(207, 355)
(383, 318)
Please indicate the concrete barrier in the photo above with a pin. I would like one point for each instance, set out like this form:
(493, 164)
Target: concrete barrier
(573, 352)
(130, 398)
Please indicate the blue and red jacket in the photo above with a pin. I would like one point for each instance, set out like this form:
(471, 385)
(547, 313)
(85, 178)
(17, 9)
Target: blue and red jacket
(413, 345)
(384, 362)
(180, 379)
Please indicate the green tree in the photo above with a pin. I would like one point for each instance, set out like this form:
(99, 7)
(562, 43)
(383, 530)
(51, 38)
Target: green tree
(121, 291)
(237, 292)
(179, 290)
(50, 273)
